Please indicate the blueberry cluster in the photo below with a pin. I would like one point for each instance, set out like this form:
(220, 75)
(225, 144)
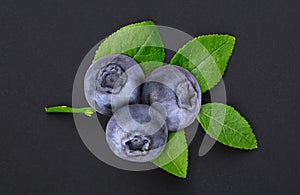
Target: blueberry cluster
(142, 109)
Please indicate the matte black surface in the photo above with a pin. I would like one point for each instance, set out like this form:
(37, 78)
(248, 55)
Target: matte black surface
(42, 44)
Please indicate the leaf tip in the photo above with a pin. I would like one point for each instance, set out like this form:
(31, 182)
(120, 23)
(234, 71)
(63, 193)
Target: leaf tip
(182, 176)
(150, 22)
(231, 37)
(89, 114)
(255, 145)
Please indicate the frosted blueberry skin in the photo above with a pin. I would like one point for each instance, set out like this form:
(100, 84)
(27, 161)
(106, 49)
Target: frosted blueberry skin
(177, 92)
(112, 82)
(137, 133)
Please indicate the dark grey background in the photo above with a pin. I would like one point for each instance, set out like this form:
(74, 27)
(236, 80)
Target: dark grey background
(42, 43)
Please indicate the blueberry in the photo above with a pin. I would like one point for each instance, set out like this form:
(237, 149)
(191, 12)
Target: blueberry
(113, 81)
(137, 133)
(176, 93)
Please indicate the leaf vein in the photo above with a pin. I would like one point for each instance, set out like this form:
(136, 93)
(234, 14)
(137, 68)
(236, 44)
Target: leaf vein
(249, 141)
(141, 47)
(209, 55)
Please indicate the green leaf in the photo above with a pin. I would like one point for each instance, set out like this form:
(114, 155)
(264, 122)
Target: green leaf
(206, 57)
(141, 41)
(65, 109)
(174, 158)
(226, 125)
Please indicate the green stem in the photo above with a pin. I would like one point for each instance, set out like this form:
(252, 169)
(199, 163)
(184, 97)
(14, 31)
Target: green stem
(88, 111)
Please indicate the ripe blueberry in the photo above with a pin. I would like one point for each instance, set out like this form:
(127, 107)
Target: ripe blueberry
(137, 133)
(177, 93)
(112, 82)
